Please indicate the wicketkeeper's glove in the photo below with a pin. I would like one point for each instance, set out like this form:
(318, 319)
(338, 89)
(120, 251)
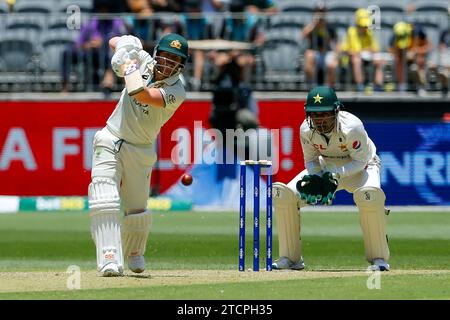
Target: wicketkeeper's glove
(310, 188)
(329, 186)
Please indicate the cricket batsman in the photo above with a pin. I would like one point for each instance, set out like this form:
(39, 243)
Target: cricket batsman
(123, 153)
(338, 155)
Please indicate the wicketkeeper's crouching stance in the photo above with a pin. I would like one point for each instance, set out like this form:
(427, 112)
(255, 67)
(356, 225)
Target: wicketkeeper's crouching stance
(123, 153)
(338, 155)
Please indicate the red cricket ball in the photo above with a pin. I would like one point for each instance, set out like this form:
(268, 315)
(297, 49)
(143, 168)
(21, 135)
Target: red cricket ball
(186, 179)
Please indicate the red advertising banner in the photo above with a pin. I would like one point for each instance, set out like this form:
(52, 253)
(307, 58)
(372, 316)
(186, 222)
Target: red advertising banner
(45, 147)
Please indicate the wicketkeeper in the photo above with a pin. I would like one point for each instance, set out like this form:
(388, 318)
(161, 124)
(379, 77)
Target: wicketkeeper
(123, 150)
(338, 155)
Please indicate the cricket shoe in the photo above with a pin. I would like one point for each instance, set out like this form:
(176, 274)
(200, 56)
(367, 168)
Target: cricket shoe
(111, 269)
(379, 264)
(136, 264)
(286, 263)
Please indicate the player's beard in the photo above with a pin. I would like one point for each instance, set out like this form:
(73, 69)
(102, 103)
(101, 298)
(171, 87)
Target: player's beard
(165, 68)
(324, 125)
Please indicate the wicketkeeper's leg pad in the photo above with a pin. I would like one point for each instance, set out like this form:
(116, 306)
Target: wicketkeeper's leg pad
(370, 202)
(135, 231)
(287, 214)
(104, 209)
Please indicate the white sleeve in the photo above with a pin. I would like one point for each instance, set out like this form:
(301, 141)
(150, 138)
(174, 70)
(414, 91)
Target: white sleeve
(310, 154)
(359, 144)
(359, 148)
(173, 95)
(349, 169)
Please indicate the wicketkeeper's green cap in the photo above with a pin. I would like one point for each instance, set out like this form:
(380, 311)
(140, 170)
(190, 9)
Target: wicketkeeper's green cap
(321, 99)
(174, 43)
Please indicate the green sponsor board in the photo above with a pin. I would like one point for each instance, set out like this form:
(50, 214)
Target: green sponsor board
(81, 204)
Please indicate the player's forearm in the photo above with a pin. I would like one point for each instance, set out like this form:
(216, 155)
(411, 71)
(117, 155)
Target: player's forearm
(313, 166)
(350, 168)
(151, 96)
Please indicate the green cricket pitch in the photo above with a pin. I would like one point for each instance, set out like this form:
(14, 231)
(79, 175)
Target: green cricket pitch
(193, 255)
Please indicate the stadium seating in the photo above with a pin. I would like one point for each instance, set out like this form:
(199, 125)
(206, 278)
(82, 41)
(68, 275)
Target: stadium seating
(431, 6)
(296, 6)
(384, 35)
(24, 22)
(52, 45)
(16, 53)
(397, 7)
(279, 60)
(287, 21)
(3, 7)
(84, 5)
(346, 7)
(35, 7)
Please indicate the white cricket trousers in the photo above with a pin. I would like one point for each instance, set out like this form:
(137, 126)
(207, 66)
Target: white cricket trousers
(129, 165)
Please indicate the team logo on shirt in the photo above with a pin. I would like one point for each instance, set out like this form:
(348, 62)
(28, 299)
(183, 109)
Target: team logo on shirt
(319, 146)
(171, 98)
(356, 144)
(144, 107)
(98, 151)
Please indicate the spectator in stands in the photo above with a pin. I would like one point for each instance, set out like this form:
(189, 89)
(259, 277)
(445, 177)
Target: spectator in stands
(410, 46)
(362, 48)
(147, 25)
(202, 24)
(166, 5)
(140, 23)
(320, 54)
(166, 21)
(92, 49)
(239, 24)
(11, 4)
(244, 26)
(440, 61)
(253, 9)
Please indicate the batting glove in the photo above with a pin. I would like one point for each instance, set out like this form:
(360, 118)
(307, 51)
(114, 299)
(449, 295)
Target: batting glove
(120, 57)
(129, 43)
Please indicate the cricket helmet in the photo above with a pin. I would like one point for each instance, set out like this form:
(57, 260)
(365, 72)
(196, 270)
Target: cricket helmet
(322, 99)
(174, 44)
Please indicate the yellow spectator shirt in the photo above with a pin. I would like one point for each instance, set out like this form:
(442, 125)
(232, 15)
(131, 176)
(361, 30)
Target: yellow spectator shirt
(356, 42)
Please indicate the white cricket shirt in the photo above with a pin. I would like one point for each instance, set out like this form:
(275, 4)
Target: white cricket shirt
(139, 123)
(347, 151)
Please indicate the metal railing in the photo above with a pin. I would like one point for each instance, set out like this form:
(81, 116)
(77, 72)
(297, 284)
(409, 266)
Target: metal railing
(44, 52)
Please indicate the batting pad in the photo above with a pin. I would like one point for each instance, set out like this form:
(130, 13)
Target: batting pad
(135, 230)
(370, 202)
(287, 215)
(104, 208)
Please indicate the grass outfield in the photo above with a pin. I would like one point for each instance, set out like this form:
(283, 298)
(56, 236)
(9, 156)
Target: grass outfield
(193, 255)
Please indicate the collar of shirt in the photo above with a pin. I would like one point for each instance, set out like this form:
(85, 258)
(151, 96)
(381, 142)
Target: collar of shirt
(168, 81)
